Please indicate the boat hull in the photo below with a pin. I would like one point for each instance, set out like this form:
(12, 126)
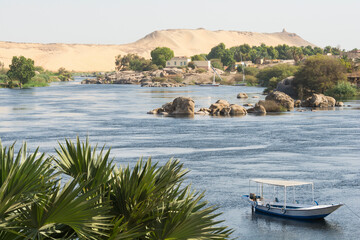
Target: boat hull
(294, 211)
(303, 214)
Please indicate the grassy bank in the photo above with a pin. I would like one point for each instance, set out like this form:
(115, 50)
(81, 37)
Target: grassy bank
(42, 78)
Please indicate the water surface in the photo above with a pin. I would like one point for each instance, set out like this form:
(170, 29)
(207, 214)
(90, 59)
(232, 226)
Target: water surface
(221, 153)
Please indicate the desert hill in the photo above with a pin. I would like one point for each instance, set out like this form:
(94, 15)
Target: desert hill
(184, 42)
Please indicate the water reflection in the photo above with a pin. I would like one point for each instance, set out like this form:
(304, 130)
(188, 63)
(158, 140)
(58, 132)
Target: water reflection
(309, 229)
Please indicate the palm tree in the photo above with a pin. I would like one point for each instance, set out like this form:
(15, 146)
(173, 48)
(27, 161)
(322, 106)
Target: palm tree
(33, 205)
(100, 201)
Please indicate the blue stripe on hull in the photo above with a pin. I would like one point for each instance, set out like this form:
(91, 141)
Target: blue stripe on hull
(293, 217)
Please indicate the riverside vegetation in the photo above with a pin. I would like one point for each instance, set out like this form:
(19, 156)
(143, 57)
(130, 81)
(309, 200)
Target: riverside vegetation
(99, 200)
(23, 73)
(330, 78)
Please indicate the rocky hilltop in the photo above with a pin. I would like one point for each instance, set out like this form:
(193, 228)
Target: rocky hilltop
(91, 57)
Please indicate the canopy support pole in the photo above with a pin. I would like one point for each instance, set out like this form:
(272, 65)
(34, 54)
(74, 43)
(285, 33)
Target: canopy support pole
(313, 199)
(285, 197)
(294, 193)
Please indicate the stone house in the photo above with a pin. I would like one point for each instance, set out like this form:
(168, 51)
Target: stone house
(203, 64)
(178, 62)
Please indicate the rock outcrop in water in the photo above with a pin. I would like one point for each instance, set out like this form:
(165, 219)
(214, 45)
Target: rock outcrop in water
(242, 95)
(180, 106)
(286, 86)
(223, 108)
(319, 100)
(282, 99)
(258, 109)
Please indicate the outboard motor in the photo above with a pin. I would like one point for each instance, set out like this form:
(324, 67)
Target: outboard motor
(253, 196)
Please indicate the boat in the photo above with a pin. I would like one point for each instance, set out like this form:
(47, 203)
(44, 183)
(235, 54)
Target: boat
(243, 74)
(284, 208)
(213, 84)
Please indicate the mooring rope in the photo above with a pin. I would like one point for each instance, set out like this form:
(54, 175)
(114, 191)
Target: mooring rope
(352, 211)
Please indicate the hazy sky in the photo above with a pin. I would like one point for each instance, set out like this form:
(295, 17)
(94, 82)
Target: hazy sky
(322, 22)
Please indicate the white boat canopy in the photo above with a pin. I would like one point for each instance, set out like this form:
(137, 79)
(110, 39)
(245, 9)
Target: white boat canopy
(282, 183)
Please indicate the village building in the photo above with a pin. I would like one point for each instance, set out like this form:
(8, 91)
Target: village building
(178, 62)
(203, 64)
(353, 55)
(354, 78)
(246, 63)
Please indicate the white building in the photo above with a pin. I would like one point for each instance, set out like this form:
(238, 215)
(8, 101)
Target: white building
(203, 64)
(178, 62)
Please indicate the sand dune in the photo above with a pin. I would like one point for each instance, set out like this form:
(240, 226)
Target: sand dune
(91, 57)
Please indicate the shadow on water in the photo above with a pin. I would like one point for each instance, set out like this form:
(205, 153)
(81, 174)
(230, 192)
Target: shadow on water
(321, 224)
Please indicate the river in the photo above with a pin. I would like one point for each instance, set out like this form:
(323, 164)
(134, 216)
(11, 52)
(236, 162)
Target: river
(221, 153)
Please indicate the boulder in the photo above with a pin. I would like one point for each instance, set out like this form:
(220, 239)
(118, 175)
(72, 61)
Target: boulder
(183, 106)
(90, 81)
(223, 102)
(168, 107)
(156, 111)
(286, 86)
(257, 109)
(319, 100)
(203, 111)
(180, 106)
(272, 106)
(237, 110)
(242, 95)
(297, 103)
(339, 104)
(281, 98)
(248, 105)
(331, 101)
(221, 107)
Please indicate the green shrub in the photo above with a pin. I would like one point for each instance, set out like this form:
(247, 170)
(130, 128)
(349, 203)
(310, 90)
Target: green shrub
(39, 69)
(318, 74)
(341, 90)
(251, 80)
(4, 78)
(200, 70)
(176, 78)
(40, 80)
(216, 63)
(222, 81)
(251, 71)
(159, 79)
(272, 106)
(191, 65)
(279, 71)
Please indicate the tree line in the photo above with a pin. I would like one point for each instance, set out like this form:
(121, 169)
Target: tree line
(23, 72)
(221, 56)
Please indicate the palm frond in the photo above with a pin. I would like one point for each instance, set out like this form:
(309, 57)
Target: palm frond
(24, 179)
(81, 161)
(67, 211)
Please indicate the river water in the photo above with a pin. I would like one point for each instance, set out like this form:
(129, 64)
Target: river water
(221, 153)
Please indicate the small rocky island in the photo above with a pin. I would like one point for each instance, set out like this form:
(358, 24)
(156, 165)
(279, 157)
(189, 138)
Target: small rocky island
(166, 77)
(275, 101)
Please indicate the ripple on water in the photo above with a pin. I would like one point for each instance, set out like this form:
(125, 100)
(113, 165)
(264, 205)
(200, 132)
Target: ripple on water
(221, 153)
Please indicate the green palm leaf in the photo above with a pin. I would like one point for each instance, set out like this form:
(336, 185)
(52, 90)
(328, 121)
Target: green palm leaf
(24, 180)
(68, 212)
(82, 162)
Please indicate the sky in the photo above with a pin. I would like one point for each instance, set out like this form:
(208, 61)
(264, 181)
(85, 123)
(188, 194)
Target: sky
(321, 22)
